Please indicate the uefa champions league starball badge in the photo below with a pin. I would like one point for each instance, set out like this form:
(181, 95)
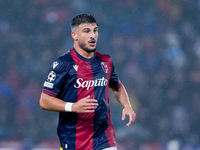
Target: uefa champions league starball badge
(51, 76)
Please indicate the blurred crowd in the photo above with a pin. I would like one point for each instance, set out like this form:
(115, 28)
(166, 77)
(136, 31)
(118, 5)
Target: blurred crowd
(154, 44)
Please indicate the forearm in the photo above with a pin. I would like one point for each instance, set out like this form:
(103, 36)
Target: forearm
(84, 105)
(51, 103)
(121, 95)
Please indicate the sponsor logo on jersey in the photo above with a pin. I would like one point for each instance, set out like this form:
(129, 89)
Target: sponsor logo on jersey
(75, 67)
(55, 64)
(104, 67)
(90, 83)
(51, 76)
(48, 84)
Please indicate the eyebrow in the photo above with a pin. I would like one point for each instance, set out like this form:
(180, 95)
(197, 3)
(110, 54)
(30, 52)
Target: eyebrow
(89, 28)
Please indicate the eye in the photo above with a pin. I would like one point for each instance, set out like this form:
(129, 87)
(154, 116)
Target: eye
(96, 30)
(86, 30)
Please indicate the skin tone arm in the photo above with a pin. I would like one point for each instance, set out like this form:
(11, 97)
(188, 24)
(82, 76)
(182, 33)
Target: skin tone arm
(121, 96)
(85, 105)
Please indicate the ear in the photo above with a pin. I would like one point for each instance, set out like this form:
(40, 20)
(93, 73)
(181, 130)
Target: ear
(74, 36)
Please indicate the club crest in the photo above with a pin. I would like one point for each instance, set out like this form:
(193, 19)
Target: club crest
(104, 67)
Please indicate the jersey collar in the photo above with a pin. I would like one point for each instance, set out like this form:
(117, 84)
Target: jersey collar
(83, 58)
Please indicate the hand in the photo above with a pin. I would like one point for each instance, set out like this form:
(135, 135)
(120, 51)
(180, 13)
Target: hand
(132, 116)
(85, 105)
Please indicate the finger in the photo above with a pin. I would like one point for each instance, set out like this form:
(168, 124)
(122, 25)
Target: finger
(93, 104)
(130, 121)
(123, 116)
(89, 111)
(87, 97)
(91, 100)
(90, 107)
(90, 103)
(134, 117)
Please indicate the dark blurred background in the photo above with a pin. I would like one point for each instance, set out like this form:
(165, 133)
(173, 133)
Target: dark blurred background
(154, 44)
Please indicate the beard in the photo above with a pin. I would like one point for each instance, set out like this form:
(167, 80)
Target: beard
(86, 49)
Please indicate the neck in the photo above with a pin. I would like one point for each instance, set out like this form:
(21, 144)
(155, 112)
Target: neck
(83, 52)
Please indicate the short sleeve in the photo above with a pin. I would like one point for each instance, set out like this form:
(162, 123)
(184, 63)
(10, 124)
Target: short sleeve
(55, 79)
(114, 80)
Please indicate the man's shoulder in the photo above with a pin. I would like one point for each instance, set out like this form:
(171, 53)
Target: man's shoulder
(103, 56)
(65, 58)
(62, 62)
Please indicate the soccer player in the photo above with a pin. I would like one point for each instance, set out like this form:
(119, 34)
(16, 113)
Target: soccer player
(77, 87)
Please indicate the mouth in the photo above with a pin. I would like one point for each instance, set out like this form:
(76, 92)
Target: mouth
(92, 43)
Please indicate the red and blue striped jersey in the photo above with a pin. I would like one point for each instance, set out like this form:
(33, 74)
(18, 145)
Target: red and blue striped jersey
(73, 77)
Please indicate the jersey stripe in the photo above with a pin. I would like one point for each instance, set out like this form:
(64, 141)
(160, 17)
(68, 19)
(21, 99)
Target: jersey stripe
(109, 132)
(67, 120)
(101, 113)
(49, 92)
(85, 121)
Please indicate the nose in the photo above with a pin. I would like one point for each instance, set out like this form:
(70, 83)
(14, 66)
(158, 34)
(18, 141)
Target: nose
(92, 35)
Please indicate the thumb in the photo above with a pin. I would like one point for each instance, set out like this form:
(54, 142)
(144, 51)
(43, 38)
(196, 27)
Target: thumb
(87, 97)
(123, 116)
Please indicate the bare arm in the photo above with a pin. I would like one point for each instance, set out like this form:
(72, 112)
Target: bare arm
(121, 96)
(85, 105)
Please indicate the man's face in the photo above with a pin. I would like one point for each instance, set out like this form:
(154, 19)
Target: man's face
(87, 36)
